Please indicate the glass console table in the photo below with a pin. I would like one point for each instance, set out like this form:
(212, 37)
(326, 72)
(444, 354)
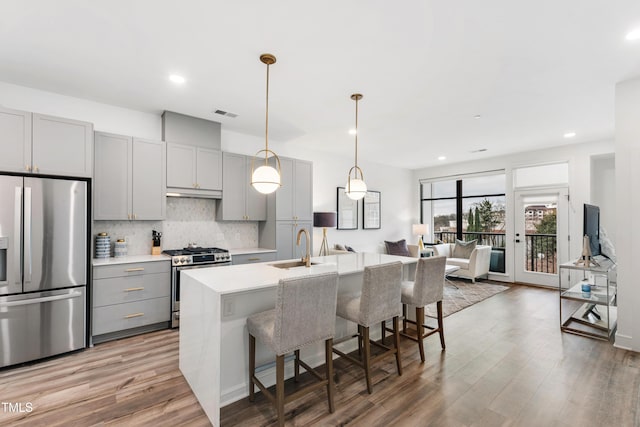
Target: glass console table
(593, 313)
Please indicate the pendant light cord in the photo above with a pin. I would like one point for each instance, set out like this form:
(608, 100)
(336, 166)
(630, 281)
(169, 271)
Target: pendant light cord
(356, 171)
(266, 126)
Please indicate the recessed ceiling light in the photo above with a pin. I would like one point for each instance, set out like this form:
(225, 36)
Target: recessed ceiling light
(633, 35)
(569, 134)
(442, 158)
(477, 116)
(352, 131)
(177, 79)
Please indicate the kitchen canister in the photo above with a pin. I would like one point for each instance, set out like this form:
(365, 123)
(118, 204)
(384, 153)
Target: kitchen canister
(120, 248)
(103, 246)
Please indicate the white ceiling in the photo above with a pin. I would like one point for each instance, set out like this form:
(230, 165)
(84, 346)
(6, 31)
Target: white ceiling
(534, 70)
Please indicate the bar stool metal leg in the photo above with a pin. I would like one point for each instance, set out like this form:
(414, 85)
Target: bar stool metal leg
(367, 357)
(328, 354)
(396, 343)
(252, 366)
(280, 389)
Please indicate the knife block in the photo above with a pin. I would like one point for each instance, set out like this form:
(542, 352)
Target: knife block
(155, 250)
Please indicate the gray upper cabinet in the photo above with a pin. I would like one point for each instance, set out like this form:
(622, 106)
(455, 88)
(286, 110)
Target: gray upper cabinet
(294, 200)
(194, 159)
(181, 168)
(62, 146)
(192, 168)
(15, 140)
(208, 169)
(240, 202)
(129, 179)
(44, 144)
(148, 191)
(112, 183)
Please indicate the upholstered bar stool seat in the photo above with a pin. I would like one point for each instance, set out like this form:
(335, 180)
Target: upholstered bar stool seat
(427, 288)
(378, 301)
(305, 313)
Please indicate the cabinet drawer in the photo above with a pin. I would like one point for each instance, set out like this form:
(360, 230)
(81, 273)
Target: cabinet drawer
(131, 269)
(131, 315)
(253, 258)
(116, 290)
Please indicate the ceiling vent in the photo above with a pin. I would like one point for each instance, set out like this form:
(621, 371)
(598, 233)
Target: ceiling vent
(226, 114)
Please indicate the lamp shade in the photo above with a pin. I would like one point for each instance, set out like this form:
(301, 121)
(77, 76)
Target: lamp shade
(324, 219)
(420, 229)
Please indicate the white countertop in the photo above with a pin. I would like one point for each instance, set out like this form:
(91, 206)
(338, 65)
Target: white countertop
(129, 259)
(247, 277)
(245, 251)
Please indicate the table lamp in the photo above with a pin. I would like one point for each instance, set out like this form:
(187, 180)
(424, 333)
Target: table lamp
(324, 220)
(420, 230)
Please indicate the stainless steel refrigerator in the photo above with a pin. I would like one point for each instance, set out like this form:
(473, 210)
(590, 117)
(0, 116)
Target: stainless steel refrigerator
(43, 267)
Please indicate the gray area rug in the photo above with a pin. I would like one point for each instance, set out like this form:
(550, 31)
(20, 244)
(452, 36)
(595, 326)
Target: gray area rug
(466, 295)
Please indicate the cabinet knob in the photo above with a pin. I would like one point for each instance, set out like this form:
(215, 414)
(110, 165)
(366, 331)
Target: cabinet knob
(28, 168)
(37, 169)
(135, 216)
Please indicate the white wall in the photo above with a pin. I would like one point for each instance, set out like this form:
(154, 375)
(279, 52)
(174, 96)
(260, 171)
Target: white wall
(603, 191)
(628, 205)
(107, 118)
(578, 157)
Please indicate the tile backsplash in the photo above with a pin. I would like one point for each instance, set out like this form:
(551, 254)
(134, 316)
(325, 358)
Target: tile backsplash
(188, 221)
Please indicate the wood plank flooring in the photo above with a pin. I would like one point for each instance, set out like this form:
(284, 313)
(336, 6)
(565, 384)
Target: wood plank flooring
(506, 363)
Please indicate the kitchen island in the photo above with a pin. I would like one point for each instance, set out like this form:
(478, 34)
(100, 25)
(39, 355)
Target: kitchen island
(215, 303)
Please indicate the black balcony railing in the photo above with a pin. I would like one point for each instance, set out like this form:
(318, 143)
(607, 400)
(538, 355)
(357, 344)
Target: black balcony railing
(495, 240)
(541, 249)
(542, 255)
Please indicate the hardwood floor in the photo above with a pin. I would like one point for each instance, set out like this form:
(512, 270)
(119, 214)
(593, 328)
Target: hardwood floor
(506, 363)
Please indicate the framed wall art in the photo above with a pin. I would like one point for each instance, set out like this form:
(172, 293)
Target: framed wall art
(347, 211)
(371, 210)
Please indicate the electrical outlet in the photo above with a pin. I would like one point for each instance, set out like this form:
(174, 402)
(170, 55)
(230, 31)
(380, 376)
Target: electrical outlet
(228, 308)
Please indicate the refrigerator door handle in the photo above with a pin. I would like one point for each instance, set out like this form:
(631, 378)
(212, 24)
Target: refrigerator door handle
(30, 301)
(17, 250)
(27, 235)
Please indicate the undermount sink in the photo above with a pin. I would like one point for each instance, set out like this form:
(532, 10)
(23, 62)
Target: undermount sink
(291, 264)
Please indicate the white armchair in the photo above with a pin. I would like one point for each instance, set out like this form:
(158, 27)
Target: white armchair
(477, 265)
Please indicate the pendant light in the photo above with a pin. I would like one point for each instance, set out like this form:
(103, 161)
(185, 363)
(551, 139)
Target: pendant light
(266, 179)
(356, 188)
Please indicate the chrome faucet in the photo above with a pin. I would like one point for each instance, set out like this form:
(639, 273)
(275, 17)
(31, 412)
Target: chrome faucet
(307, 258)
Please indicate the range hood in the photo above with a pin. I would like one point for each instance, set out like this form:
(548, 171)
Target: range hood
(190, 141)
(198, 194)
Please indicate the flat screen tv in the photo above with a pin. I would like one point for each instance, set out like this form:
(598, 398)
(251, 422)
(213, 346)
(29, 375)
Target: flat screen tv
(592, 227)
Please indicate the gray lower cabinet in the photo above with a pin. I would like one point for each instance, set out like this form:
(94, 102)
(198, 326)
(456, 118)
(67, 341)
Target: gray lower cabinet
(129, 178)
(253, 258)
(192, 168)
(37, 143)
(240, 201)
(286, 239)
(130, 298)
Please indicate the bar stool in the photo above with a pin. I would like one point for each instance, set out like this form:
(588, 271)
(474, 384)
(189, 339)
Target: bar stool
(378, 301)
(305, 313)
(426, 289)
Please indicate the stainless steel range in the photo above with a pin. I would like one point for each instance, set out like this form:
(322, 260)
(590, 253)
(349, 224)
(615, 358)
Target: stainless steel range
(187, 258)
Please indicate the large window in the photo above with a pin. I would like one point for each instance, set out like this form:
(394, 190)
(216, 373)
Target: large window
(467, 208)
